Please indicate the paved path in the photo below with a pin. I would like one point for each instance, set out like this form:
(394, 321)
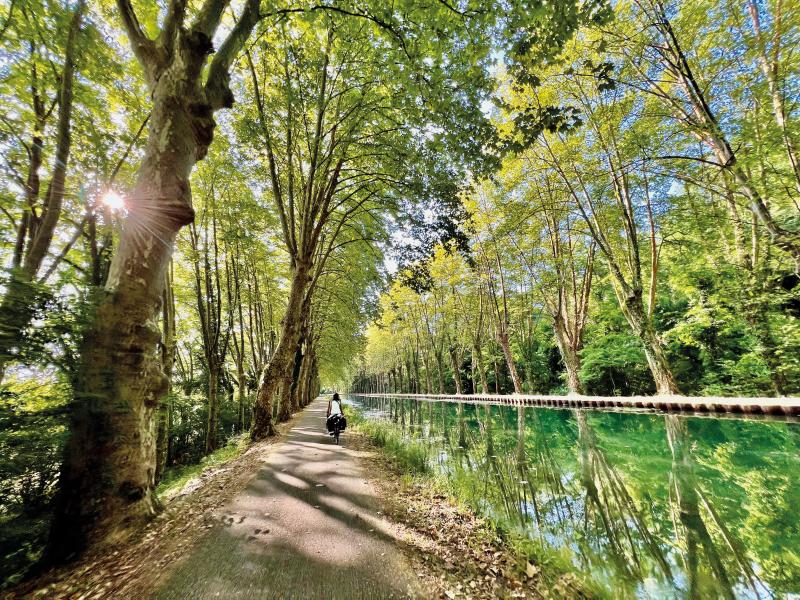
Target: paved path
(307, 526)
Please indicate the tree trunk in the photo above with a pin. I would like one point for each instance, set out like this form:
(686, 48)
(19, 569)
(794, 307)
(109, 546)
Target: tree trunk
(212, 423)
(757, 316)
(710, 132)
(411, 383)
(311, 376)
(502, 338)
(303, 382)
(572, 363)
(569, 354)
(296, 376)
(108, 473)
(426, 363)
(241, 392)
(403, 389)
(417, 381)
(439, 370)
(770, 69)
(472, 373)
(754, 309)
(277, 374)
(456, 370)
(481, 368)
(167, 364)
(653, 348)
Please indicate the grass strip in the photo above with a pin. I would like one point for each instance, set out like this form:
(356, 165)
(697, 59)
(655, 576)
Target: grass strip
(176, 477)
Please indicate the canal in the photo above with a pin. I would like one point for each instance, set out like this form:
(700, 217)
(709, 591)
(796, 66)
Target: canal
(646, 505)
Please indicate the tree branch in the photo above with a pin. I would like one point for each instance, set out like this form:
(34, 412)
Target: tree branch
(209, 17)
(176, 13)
(218, 89)
(141, 44)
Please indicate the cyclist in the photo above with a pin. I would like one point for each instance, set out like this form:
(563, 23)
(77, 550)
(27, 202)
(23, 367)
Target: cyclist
(335, 417)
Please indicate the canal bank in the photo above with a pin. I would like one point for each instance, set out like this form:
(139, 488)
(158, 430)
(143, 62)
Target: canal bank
(718, 406)
(645, 505)
(457, 552)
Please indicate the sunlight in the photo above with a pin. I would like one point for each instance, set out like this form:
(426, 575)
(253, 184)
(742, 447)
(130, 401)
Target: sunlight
(113, 200)
(543, 254)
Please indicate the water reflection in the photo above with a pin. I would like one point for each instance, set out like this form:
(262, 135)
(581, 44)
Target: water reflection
(648, 505)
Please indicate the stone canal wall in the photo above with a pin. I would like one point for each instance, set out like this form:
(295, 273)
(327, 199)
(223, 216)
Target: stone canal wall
(786, 406)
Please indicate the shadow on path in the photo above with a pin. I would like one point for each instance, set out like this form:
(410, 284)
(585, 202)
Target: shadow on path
(307, 526)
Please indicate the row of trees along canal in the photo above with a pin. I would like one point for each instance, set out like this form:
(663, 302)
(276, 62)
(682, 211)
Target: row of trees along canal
(192, 268)
(643, 239)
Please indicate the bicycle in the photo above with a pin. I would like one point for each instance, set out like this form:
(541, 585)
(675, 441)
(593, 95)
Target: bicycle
(336, 431)
(336, 424)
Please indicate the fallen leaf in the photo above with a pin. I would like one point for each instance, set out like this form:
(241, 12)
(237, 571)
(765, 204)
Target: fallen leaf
(530, 570)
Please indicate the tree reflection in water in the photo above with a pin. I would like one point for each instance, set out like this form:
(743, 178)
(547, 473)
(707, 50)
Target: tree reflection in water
(692, 534)
(623, 525)
(623, 495)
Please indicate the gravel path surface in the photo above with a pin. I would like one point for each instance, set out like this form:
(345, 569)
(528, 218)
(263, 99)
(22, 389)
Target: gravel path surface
(308, 526)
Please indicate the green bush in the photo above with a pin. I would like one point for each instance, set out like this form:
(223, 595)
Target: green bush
(615, 365)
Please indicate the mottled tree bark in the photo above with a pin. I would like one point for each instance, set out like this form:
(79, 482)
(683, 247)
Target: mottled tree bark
(106, 487)
(277, 374)
(505, 345)
(570, 357)
(167, 364)
(636, 315)
(297, 367)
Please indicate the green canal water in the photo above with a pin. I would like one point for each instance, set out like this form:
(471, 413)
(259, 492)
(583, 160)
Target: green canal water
(647, 505)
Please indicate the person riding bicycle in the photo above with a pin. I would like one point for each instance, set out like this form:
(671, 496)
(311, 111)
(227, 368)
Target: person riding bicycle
(335, 414)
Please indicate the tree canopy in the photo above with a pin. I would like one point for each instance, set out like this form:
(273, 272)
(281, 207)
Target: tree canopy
(213, 210)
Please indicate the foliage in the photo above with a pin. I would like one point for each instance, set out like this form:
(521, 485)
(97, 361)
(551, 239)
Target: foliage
(409, 456)
(32, 433)
(542, 197)
(692, 288)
